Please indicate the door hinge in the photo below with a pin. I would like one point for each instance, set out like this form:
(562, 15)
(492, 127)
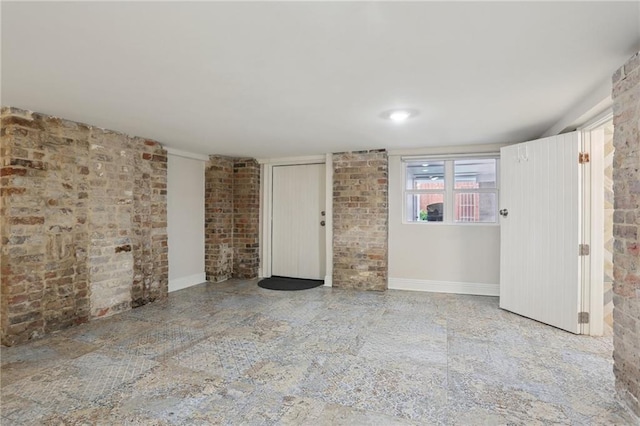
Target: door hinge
(584, 249)
(583, 157)
(583, 317)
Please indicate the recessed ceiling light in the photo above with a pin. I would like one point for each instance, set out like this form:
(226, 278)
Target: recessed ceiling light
(399, 115)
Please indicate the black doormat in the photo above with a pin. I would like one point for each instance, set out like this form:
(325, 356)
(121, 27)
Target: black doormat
(289, 284)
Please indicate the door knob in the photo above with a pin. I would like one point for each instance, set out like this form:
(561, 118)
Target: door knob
(322, 223)
(504, 212)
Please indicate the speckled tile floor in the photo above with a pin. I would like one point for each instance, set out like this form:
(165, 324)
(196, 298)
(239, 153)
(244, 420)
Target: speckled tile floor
(234, 353)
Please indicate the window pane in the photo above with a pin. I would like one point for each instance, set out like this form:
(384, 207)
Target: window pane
(473, 174)
(425, 175)
(475, 207)
(425, 207)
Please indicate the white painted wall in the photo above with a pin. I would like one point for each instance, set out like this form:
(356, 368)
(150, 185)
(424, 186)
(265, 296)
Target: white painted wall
(440, 257)
(185, 219)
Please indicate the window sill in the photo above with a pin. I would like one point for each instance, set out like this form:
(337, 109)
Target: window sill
(494, 224)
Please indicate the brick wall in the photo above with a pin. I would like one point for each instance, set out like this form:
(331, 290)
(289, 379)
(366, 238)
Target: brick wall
(360, 220)
(232, 214)
(83, 223)
(246, 211)
(149, 220)
(626, 229)
(218, 219)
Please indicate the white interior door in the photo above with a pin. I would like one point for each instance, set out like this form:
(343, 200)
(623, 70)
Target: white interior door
(297, 234)
(540, 266)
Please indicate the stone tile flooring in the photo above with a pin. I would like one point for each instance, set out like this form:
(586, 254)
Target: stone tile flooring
(234, 353)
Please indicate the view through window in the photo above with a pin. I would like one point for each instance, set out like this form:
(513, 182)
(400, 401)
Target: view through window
(463, 190)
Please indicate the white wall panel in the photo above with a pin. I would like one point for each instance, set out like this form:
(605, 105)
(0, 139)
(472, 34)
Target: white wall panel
(185, 221)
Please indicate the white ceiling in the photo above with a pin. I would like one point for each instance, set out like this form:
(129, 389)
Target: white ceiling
(276, 79)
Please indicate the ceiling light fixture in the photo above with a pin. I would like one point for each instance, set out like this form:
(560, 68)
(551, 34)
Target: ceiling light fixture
(399, 115)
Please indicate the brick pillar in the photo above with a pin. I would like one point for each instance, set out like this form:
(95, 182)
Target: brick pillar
(246, 218)
(626, 229)
(360, 220)
(218, 223)
(110, 191)
(150, 250)
(128, 253)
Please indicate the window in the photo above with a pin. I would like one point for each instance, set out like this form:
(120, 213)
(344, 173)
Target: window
(451, 190)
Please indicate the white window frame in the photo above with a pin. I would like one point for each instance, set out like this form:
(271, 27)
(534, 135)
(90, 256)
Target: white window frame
(449, 188)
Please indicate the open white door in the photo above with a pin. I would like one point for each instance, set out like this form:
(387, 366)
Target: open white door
(540, 230)
(298, 233)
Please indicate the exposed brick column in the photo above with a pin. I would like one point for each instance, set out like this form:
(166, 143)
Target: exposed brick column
(150, 250)
(218, 222)
(360, 220)
(70, 241)
(246, 212)
(626, 229)
(110, 191)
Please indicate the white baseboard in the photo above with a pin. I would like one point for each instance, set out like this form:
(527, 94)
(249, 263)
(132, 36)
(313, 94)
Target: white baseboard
(328, 281)
(184, 282)
(477, 289)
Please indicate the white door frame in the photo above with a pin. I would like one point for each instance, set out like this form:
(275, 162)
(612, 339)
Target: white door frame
(593, 267)
(266, 189)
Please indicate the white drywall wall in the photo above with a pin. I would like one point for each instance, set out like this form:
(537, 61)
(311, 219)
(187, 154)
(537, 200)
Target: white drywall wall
(462, 258)
(185, 217)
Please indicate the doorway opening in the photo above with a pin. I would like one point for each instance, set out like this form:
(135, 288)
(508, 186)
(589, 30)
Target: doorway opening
(298, 220)
(599, 229)
(608, 228)
(296, 228)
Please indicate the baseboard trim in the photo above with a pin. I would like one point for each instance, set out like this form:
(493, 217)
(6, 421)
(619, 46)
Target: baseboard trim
(328, 281)
(184, 282)
(478, 289)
